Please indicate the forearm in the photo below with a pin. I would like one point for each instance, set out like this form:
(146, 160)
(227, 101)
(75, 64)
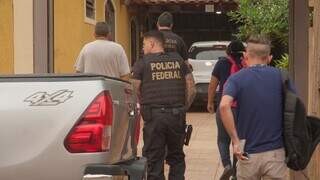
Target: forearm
(188, 65)
(125, 77)
(228, 122)
(136, 86)
(212, 89)
(190, 97)
(78, 70)
(211, 94)
(138, 92)
(190, 90)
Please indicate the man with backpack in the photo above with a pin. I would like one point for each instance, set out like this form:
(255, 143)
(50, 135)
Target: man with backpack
(257, 133)
(221, 72)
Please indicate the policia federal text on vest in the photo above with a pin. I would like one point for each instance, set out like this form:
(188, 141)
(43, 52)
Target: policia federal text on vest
(163, 79)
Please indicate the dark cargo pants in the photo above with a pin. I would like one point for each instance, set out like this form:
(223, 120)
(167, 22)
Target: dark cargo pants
(163, 135)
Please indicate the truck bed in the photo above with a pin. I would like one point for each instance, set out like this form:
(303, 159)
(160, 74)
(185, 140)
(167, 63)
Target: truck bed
(54, 77)
(38, 113)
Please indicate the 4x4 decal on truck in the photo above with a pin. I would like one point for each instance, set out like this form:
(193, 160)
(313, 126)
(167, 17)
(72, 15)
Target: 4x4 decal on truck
(46, 99)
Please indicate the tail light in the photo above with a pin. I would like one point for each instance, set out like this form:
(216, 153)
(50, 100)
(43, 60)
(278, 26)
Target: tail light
(93, 131)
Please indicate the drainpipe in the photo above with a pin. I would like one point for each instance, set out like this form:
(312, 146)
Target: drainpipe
(51, 36)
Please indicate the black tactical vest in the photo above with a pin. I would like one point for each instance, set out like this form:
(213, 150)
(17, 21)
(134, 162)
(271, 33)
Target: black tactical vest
(174, 43)
(163, 79)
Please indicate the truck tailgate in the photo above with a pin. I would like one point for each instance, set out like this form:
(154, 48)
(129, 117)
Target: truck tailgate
(36, 117)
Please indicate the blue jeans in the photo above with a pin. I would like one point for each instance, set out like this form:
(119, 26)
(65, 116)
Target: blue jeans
(223, 140)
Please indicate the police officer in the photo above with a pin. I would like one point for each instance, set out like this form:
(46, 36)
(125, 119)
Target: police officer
(165, 88)
(173, 42)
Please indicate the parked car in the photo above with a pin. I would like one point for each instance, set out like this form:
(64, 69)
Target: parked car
(68, 127)
(203, 56)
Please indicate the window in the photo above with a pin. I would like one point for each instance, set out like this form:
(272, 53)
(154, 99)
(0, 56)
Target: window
(90, 11)
(208, 53)
(134, 41)
(110, 18)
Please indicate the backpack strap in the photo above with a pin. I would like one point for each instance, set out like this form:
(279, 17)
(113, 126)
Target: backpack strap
(289, 99)
(284, 77)
(289, 105)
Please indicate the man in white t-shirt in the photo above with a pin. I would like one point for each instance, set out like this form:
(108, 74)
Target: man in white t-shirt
(102, 56)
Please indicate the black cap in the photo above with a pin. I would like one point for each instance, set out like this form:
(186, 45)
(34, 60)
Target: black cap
(235, 46)
(165, 19)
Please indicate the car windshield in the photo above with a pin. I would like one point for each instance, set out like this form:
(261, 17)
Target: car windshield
(207, 53)
(210, 54)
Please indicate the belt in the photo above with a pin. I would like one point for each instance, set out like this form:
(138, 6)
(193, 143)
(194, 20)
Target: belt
(175, 108)
(165, 106)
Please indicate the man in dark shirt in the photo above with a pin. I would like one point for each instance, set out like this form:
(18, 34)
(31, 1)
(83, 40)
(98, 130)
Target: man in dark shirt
(173, 42)
(256, 134)
(165, 88)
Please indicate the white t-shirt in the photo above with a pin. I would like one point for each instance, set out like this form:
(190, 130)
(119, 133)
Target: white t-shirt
(103, 57)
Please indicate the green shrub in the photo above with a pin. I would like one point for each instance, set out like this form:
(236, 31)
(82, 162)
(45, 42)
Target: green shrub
(269, 17)
(283, 63)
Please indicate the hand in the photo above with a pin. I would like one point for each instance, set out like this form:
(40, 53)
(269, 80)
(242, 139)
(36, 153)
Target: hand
(190, 67)
(210, 108)
(237, 152)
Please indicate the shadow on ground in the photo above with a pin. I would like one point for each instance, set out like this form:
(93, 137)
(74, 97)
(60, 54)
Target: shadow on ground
(198, 108)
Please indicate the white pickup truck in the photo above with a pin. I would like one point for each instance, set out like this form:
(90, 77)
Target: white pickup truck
(68, 127)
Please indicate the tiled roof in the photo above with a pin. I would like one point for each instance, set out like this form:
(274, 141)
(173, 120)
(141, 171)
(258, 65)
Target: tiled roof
(179, 1)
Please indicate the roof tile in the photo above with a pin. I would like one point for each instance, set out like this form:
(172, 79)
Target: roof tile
(179, 1)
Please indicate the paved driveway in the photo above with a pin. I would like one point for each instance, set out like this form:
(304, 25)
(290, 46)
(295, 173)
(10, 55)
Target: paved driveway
(202, 156)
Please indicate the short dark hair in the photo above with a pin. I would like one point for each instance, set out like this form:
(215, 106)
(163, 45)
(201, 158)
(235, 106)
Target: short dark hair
(102, 29)
(165, 19)
(157, 35)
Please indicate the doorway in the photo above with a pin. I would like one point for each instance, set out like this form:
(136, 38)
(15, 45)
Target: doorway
(134, 41)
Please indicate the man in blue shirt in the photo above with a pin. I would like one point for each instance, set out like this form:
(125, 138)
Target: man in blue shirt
(257, 133)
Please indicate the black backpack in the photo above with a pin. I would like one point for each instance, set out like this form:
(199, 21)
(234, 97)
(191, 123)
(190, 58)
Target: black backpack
(301, 132)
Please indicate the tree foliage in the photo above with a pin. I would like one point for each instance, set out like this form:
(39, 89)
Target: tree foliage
(283, 63)
(270, 17)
